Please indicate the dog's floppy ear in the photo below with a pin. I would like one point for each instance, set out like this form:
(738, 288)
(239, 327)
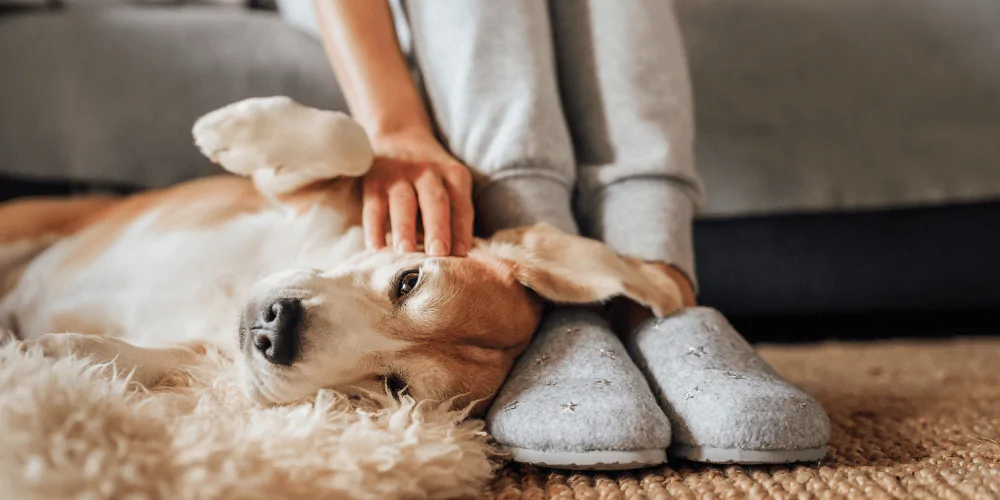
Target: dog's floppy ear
(571, 269)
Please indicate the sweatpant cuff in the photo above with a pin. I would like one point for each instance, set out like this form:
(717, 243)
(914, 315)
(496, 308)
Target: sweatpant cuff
(523, 201)
(649, 219)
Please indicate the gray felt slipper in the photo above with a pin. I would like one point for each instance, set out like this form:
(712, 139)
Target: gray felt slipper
(725, 403)
(575, 400)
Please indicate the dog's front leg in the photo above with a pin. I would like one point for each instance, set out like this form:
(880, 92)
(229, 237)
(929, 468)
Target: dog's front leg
(282, 145)
(147, 365)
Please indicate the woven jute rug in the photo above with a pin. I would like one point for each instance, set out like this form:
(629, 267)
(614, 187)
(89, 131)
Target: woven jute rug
(910, 420)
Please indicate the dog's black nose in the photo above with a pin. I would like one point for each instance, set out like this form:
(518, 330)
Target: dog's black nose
(275, 333)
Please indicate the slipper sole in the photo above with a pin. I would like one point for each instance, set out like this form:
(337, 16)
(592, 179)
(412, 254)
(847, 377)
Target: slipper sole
(735, 456)
(590, 460)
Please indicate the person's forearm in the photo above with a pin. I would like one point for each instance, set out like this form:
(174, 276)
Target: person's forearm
(363, 49)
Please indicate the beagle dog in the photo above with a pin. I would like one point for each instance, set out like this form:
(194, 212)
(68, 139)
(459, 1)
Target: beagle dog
(269, 268)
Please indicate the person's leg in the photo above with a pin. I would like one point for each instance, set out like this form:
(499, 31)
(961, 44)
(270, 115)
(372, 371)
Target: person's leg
(624, 83)
(625, 88)
(574, 399)
(488, 71)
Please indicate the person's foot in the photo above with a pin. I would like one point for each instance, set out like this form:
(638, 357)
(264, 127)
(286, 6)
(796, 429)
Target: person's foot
(725, 403)
(576, 401)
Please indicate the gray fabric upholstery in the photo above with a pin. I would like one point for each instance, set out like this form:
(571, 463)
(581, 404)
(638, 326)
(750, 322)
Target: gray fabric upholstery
(110, 94)
(813, 105)
(801, 106)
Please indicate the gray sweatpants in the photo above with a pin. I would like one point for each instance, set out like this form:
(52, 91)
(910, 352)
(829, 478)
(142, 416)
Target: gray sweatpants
(568, 107)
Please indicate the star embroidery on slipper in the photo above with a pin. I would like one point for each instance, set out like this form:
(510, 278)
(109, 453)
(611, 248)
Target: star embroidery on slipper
(734, 376)
(569, 407)
(512, 405)
(697, 352)
(608, 353)
(550, 384)
(573, 329)
(541, 359)
(603, 381)
(690, 394)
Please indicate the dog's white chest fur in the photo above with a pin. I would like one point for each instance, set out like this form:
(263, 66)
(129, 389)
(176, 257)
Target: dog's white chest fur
(153, 287)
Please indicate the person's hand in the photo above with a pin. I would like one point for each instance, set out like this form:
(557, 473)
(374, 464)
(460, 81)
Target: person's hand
(627, 315)
(413, 171)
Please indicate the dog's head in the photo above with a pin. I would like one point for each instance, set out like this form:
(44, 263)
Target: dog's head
(441, 328)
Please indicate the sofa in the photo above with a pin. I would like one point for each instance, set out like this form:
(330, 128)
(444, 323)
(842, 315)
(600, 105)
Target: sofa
(850, 149)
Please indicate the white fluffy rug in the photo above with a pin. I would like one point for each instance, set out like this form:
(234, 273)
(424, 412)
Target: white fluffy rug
(69, 430)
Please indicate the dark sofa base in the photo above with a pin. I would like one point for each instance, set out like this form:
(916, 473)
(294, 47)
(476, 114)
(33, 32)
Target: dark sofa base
(911, 259)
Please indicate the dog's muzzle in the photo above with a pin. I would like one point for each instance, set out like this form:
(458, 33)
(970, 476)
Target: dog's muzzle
(275, 330)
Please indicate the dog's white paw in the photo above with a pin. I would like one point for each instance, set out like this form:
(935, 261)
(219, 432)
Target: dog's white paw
(282, 144)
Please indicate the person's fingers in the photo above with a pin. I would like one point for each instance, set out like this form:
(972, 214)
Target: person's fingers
(403, 216)
(458, 182)
(435, 207)
(374, 214)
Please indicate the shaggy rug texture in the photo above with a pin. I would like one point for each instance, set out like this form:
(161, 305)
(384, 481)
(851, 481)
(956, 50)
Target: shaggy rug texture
(70, 430)
(910, 420)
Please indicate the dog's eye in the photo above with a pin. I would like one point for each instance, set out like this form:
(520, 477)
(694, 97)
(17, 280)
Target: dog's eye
(407, 282)
(394, 383)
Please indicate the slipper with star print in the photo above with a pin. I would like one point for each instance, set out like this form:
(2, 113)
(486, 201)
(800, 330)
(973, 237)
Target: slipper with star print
(724, 402)
(575, 400)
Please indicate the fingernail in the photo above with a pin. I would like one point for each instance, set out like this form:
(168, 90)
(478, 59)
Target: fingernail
(437, 248)
(460, 249)
(404, 246)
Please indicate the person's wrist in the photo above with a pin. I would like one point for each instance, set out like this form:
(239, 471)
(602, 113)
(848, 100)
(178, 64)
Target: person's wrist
(394, 129)
(392, 142)
(413, 145)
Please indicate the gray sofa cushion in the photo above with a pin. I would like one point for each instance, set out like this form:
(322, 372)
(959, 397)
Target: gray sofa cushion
(110, 94)
(802, 106)
(808, 106)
